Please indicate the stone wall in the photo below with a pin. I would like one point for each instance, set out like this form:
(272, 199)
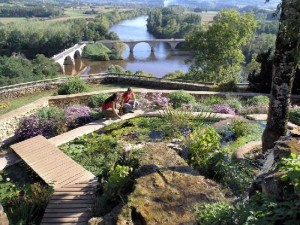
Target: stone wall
(22, 90)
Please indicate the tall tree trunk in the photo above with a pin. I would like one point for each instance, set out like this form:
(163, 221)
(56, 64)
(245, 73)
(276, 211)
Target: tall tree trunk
(284, 67)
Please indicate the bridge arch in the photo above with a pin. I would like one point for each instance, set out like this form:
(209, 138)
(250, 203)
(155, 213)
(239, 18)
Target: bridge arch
(174, 44)
(69, 60)
(77, 54)
(133, 44)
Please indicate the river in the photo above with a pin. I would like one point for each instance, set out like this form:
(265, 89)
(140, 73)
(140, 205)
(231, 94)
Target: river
(158, 63)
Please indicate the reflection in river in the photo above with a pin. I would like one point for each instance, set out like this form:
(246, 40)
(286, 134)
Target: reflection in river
(158, 63)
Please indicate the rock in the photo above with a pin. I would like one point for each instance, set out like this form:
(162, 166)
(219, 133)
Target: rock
(285, 146)
(269, 181)
(252, 145)
(166, 190)
(3, 217)
(96, 221)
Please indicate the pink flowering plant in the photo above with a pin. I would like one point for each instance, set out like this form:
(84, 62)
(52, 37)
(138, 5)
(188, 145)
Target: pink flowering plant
(152, 101)
(223, 108)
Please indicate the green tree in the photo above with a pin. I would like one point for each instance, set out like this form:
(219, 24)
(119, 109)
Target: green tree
(43, 66)
(286, 59)
(218, 50)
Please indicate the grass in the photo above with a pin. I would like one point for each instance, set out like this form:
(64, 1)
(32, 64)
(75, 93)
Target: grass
(7, 20)
(21, 101)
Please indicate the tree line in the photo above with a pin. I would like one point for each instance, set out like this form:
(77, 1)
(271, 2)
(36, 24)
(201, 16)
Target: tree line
(35, 40)
(171, 22)
(32, 11)
(50, 38)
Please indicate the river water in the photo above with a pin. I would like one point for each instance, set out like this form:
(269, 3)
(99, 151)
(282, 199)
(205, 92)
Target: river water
(158, 63)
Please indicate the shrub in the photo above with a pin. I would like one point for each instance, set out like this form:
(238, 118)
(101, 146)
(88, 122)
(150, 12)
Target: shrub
(28, 127)
(234, 103)
(200, 107)
(32, 126)
(47, 113)
(97, 100)
(258, 100)
(179, 97)
(226, 86)
(212, 100)
(4, 105)
(291, 167)
(295, 116)
(150, 101)
(73, 85)
(118, 180)
(239, 128)
(253, 109)
(214, 214)
(116, 69)
(29, 208)
(203, 141)
(77, 116)
(223, 109)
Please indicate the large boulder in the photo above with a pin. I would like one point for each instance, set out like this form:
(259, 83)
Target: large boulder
(269, 181)
(165, 192)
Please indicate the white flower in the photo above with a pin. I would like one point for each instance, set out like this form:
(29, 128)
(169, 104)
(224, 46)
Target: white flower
(8, 179)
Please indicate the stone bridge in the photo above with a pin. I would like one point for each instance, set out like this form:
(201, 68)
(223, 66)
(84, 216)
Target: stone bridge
(151, 42)
(68, 56)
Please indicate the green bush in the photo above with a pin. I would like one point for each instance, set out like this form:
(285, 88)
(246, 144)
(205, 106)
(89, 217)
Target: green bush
(226, 86)
(291, 167)
(96, 100)
(295, 116)
(116, 69)
(73, 85)
(47, 113)
(203, 141)
(239, 128)
(258, 100)
(214, 214)
(212, 100)
(117, 181)
(234, 103)
(177, 98)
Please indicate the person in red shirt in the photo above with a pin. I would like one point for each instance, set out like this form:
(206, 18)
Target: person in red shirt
(109, 106)
(128, 102)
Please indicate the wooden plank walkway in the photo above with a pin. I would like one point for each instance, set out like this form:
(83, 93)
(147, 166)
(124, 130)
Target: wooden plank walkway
(73, 185)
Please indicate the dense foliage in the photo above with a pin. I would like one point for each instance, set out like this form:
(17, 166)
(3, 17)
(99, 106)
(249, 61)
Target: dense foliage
(171, 22)
(52, 37)
(218, 50)
(50, 122)
(73, 85)
(178, 98)
(15, 70)
(30, 11)
(294, 116)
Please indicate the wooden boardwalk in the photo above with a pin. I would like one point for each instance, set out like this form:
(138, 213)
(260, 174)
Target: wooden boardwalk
(73, 185)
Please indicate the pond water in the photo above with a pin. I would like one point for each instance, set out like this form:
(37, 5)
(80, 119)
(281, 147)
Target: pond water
(158, 63)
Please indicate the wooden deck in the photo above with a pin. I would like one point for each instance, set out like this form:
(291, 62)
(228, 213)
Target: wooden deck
(73, 185)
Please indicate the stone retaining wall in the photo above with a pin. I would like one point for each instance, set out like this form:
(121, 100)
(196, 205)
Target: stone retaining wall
(19, 90)
(27, 90)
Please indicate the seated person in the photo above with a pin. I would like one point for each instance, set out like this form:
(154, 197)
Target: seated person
(128, 102)
(109, 106)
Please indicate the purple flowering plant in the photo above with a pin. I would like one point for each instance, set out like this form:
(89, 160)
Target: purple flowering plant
(222, 108)
(153, 100)
(77, 116)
